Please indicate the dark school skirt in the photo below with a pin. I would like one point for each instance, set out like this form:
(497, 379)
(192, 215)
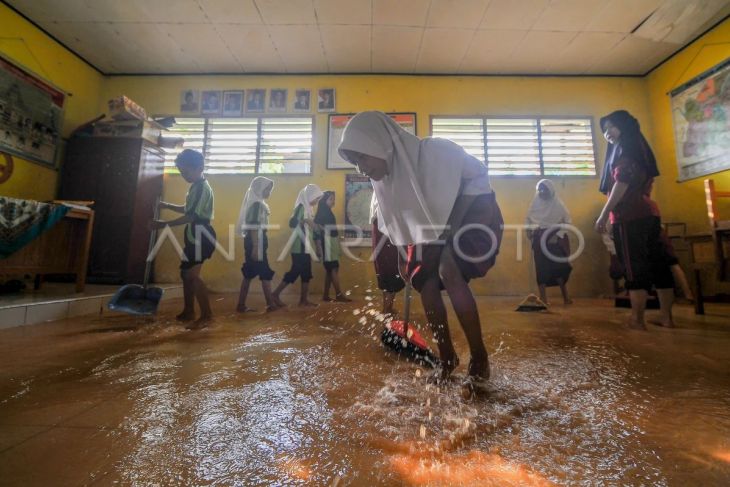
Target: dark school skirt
(474, 244)
(253, 268)
(644, 254)
(206, 245)
(301, 267)
(548, 270)
(386, 263)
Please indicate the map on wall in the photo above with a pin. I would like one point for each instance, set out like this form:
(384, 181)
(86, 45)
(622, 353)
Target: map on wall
(31, 112)
(337, 125)
(701, 114)
(358, 193)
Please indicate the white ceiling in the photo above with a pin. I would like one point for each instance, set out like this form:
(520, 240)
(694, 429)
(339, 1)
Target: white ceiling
(380, 36)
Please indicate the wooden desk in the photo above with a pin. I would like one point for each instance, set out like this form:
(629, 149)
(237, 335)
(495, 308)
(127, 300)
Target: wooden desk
(64, 249)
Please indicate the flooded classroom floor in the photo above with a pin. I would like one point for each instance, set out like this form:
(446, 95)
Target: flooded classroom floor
(312, 398)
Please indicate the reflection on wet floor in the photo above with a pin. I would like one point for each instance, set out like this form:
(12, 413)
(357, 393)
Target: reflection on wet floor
(312, 398)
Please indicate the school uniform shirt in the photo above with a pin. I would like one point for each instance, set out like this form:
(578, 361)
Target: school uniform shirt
(198, 205)
(257, 215)
(298, 246)
(636, 202)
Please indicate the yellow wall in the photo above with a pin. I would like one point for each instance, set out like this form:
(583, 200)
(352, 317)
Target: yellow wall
(427, 96)
(33, 50)
(684, 202)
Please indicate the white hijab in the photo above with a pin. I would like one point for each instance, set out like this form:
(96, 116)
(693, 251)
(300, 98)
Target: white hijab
(254, 194)
(545, 213)
(306, 196)
(417, 195)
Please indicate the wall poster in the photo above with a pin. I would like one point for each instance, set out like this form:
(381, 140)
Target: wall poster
(701, 115)
(31, 113)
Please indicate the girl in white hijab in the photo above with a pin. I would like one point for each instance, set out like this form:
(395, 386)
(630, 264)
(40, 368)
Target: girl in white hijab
(302, 246)
(427, 190)
(252, 221)
(548, 241)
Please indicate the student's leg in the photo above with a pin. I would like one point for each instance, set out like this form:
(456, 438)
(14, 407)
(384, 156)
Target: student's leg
(327, 284)
(201, 294)
(188, 312)
(241, 307)
(277, 292)
(681, 280)
(638, 307)
(433, 305)
(564, 291)
(543, 293)
(304, 296)
(388, 300)
(305, 274)
(666, 300)
(466, 310)
(338, 291)
(271, 304)
(290, 277)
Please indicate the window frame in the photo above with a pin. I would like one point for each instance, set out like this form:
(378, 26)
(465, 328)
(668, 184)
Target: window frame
(537, 118)
(259, 125)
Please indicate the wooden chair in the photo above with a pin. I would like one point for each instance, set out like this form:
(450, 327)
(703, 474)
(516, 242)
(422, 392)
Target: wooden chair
(720, 228)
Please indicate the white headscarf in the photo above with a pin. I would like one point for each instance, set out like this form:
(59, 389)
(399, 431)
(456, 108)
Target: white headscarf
(545, 213)
(424, 177)
(254, 194)
(373, 208)
(306, 196)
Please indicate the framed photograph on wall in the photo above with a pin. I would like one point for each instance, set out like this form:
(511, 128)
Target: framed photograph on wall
(326, 100)
(277, 100)
(337, 123)
(233, 103)
(210, 102)
(302, 101)
(700, 112)
(189, 102)
(358, 193)
(255, 101)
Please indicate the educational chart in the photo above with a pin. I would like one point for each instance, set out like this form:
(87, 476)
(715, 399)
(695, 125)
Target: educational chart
(358, 193)
(701, 113)
(31, 112)
(337, 125)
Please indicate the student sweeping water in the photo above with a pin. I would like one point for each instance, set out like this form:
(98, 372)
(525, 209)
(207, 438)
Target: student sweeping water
(302, 246)
(429, 191)
(550, 244)
(199, 235)
(628, 175)
(327, 240)
(252, 221)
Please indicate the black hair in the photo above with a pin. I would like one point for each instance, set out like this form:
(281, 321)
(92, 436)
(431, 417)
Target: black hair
(190, 158)
(324, 215)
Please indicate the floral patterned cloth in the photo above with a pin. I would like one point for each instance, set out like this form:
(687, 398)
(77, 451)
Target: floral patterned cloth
(21, 221)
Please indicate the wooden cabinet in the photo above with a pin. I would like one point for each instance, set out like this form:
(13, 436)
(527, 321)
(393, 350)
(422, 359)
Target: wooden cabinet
(123, 176)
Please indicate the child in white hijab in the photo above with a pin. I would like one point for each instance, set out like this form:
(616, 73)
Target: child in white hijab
(302, 246)
(427, 190)
(252, 221)
(548, 241)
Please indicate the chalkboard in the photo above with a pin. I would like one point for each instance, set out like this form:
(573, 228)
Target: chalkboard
(31, 112)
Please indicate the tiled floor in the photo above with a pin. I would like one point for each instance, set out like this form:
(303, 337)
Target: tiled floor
(56, 301)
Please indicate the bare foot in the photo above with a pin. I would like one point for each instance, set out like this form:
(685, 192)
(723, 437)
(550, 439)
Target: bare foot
(341, 298)
(567, 301)
(443, 372)
(200, 323)
(479, 368)
(636, 325)
(278, 302)
(326, 299)
(186, 316)
(307, 304)
(663, 323)
(245, 309)
(272, 307)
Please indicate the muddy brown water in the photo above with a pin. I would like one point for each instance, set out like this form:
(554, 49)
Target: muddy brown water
(311, 398)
